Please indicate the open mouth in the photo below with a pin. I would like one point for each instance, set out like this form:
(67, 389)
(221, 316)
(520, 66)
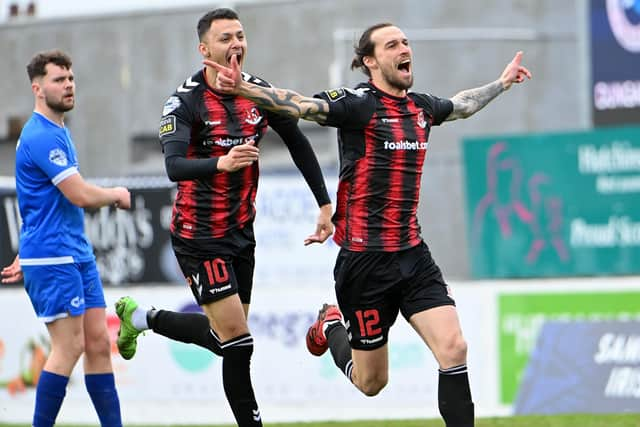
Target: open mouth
(405, 66)
(238, 56)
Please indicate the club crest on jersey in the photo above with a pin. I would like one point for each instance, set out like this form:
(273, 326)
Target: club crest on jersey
(167, 126)
(172, 103)
(252, 116)
(335, 94)
(58, 157)
(421, 121)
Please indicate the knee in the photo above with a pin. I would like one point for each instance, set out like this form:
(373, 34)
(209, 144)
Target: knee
(371, 385)
(454, 352)
(232, 330)
(98, 345)
(75, 348)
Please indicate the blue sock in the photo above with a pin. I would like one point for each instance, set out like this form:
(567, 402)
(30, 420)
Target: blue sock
(50, 393)
(102, 389)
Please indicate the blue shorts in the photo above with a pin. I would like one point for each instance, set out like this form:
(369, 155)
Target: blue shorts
(62, 290)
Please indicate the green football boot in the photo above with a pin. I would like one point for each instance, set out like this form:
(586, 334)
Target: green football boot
(127, 333)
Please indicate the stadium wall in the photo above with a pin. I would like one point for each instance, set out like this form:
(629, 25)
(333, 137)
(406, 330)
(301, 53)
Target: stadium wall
(127, 65)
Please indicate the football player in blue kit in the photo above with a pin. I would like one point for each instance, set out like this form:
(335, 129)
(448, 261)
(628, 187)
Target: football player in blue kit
(55, 259)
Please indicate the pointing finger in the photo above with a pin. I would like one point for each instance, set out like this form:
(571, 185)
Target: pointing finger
(518, 58)
(214, 64)
(235, 66)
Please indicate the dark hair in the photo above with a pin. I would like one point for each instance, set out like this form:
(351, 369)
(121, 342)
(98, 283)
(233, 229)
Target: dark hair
(37, 66)
(365, 47)
(221, 13)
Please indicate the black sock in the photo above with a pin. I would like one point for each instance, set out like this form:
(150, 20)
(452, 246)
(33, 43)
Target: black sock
(190, 328)
(236, 367)
(454, 397)
(340, 349)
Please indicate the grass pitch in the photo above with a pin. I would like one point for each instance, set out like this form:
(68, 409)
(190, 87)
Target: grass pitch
(578, 420)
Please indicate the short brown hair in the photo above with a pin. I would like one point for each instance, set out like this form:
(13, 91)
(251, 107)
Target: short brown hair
(365, 47)
(37, 65)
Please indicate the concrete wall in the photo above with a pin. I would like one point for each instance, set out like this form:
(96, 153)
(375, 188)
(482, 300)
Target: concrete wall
(127, 65)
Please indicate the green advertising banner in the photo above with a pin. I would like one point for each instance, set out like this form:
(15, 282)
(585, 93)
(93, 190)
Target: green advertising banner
(521, 317)
(562, 204)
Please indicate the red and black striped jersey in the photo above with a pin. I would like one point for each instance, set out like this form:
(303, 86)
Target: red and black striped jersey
(383, 142)
(215, 205)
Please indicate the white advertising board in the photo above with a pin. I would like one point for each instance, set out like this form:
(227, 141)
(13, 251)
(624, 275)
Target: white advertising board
(169, 382)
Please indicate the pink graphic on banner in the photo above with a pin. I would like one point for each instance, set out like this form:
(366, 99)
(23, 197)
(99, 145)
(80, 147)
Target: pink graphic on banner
(541, 214)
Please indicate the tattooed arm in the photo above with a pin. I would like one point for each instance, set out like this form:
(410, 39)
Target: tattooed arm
(285, 102)
(471, 101)
(282, 101)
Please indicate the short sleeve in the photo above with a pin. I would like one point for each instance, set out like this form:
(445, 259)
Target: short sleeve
(55, 157)
(440, 108)
(348, 108)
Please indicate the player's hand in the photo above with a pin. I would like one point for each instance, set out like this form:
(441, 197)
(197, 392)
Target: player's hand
(514, 72)
(324, 227)
(12, 273)
(123, 198)
(229, 78)
(238, 157)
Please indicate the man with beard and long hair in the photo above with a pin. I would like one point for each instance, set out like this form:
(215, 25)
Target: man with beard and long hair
(384, 267)
(55, 259)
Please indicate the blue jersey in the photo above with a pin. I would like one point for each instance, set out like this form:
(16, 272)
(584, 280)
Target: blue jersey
(52, 227)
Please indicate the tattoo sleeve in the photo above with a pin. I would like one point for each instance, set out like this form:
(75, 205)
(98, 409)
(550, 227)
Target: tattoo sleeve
(471, 101)
(286, 102)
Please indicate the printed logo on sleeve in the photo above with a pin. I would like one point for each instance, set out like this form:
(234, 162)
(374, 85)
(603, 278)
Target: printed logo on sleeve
(187, 86)
(172, 103)
(58, 157)
(253, 79)
(360, 92)
(335, 94)
(167, 126)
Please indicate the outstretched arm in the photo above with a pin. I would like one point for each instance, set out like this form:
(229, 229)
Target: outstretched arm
(282, 101)
(470, 101)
